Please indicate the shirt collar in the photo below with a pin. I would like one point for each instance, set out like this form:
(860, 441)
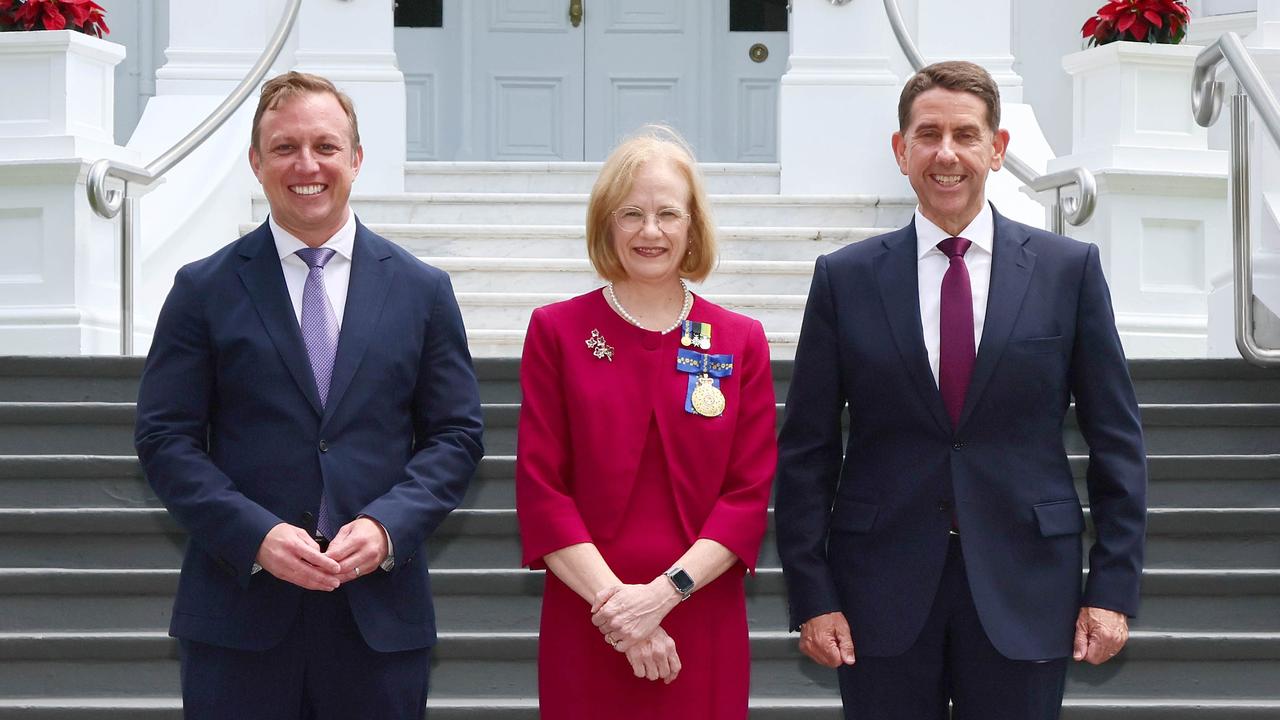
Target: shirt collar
(980, 232)
(342, 241)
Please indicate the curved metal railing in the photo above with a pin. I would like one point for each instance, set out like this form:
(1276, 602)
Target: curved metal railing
(1076, 209)
(1206, 103)
(107, 202)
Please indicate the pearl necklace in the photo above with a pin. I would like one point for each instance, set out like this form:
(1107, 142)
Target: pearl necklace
(684, 309)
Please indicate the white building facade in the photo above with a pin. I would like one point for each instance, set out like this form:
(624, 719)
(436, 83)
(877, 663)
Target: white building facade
(800, 95)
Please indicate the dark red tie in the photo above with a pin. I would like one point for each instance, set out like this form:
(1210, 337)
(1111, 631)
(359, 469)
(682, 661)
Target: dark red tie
(956, 350)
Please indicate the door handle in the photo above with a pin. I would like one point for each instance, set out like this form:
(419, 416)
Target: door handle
(575, 12)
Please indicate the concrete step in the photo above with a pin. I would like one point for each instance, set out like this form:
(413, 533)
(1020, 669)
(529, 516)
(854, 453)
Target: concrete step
(570, 209)
(1220, 666)
(569, 177)
(114, 379)
(89, 481)
(509, 600)
(781, 708)
(147, 538)
(556, 275)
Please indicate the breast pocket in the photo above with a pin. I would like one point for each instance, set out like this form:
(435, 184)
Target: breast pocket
(1037, 345)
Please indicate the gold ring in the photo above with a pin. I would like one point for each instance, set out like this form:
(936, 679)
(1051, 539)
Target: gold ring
(357, 571)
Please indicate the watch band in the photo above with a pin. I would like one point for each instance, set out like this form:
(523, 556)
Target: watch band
(681, 580)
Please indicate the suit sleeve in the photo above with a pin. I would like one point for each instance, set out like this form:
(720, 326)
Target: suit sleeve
(175, 400)
(809, 459)
(1107, 412)
(740, 514)
(447, 429)
(548, 515)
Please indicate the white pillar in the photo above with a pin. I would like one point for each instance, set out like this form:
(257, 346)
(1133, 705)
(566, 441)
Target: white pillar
(838, 102)
(352, 43)
(59, 281)
(977, 31)
(1162, 224)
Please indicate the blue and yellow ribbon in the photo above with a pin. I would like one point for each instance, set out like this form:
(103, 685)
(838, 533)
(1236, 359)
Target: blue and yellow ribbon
(696, 363)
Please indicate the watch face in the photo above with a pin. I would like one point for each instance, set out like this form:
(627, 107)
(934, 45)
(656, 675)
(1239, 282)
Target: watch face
(682, 581)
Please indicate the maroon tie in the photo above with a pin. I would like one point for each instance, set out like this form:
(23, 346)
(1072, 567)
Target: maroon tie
(956, 351)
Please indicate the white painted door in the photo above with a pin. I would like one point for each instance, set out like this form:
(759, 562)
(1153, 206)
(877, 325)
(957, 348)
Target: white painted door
(526, 90)
(646, 61)
(518, 80)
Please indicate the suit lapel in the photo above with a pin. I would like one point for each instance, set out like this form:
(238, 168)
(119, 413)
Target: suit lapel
(1011, 266)
(899, 294)
(264, 280)
(370, 279)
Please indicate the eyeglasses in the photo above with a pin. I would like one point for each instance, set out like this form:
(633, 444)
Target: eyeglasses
(631, 219)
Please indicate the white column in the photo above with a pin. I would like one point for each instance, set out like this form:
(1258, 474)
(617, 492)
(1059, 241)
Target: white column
(1161, 224)
(975, 30)
(352, 43)
(59, 277)
(838, 102)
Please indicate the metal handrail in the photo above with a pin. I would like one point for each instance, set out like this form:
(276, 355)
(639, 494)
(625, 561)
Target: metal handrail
(1066, 209)
(1206, 103)
(107, 202)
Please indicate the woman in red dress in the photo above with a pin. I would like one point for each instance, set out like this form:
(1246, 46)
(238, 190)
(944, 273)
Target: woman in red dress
(644, 460)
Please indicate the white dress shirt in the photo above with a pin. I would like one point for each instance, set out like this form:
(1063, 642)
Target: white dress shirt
(931, 264)
(337, 272)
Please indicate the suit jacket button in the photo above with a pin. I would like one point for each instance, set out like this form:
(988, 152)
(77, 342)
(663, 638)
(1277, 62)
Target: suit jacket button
(944, 505)
(324, 446)
(957, 445)
(308, 518)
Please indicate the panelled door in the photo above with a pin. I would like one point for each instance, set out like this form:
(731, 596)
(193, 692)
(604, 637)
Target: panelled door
(541, 80)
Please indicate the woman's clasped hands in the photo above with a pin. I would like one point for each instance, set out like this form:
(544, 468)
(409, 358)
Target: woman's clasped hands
(629, 617)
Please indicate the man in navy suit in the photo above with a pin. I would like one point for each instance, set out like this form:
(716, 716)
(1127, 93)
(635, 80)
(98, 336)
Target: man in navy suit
(309, 415)
(936, 557)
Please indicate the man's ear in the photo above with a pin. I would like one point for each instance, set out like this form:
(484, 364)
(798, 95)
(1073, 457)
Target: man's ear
(357, 159)
(900, 151)
(255, 162)
(1000, 144)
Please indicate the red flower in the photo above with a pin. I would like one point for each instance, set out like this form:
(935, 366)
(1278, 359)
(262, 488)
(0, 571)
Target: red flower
(1153, 21)
(85, 16)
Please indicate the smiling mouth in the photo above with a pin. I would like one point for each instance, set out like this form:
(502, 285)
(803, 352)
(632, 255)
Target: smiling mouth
(948, 180)
(649, 252)
(307, 189)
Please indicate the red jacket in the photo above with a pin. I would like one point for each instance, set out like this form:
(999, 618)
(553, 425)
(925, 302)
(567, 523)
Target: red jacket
(584, 421)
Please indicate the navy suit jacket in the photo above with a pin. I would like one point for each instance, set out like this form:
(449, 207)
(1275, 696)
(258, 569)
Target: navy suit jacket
(865, 531)
(233, 438)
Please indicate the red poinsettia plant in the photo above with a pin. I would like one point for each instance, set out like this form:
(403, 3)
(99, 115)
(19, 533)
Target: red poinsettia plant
(84, 16)
(1151, 21)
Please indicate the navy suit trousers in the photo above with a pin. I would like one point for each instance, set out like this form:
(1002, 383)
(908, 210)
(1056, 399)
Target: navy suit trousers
(322, 670)
(952, 663)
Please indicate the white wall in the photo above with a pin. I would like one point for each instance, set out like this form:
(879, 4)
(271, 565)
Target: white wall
(142, 26)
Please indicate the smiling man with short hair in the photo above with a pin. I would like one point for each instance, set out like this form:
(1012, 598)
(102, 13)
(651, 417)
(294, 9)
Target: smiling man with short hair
(309, 414)
(934, 554)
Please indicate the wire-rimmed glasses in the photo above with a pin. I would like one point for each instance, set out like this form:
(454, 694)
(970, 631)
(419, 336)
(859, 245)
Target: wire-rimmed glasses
(631, 219)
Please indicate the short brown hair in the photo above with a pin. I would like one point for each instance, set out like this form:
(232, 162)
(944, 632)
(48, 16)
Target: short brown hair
(293, 84)
(652, 142)
(959, 75)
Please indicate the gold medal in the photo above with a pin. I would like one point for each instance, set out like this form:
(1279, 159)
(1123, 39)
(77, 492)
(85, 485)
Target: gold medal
(685, 340)
(707, 399)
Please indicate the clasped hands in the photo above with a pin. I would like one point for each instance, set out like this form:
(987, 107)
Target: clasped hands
(629, 617)
(291, 554)
(1100, 634)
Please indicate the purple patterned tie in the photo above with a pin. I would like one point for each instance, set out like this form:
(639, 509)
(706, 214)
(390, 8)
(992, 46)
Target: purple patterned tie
(320, 333)
(956, 351)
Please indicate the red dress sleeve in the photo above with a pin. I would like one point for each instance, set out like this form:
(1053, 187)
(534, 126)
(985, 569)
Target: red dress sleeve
(548, 516)
(740, 514)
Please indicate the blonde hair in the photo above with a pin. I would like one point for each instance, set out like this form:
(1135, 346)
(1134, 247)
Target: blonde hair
(294, 84)
(651, 143)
